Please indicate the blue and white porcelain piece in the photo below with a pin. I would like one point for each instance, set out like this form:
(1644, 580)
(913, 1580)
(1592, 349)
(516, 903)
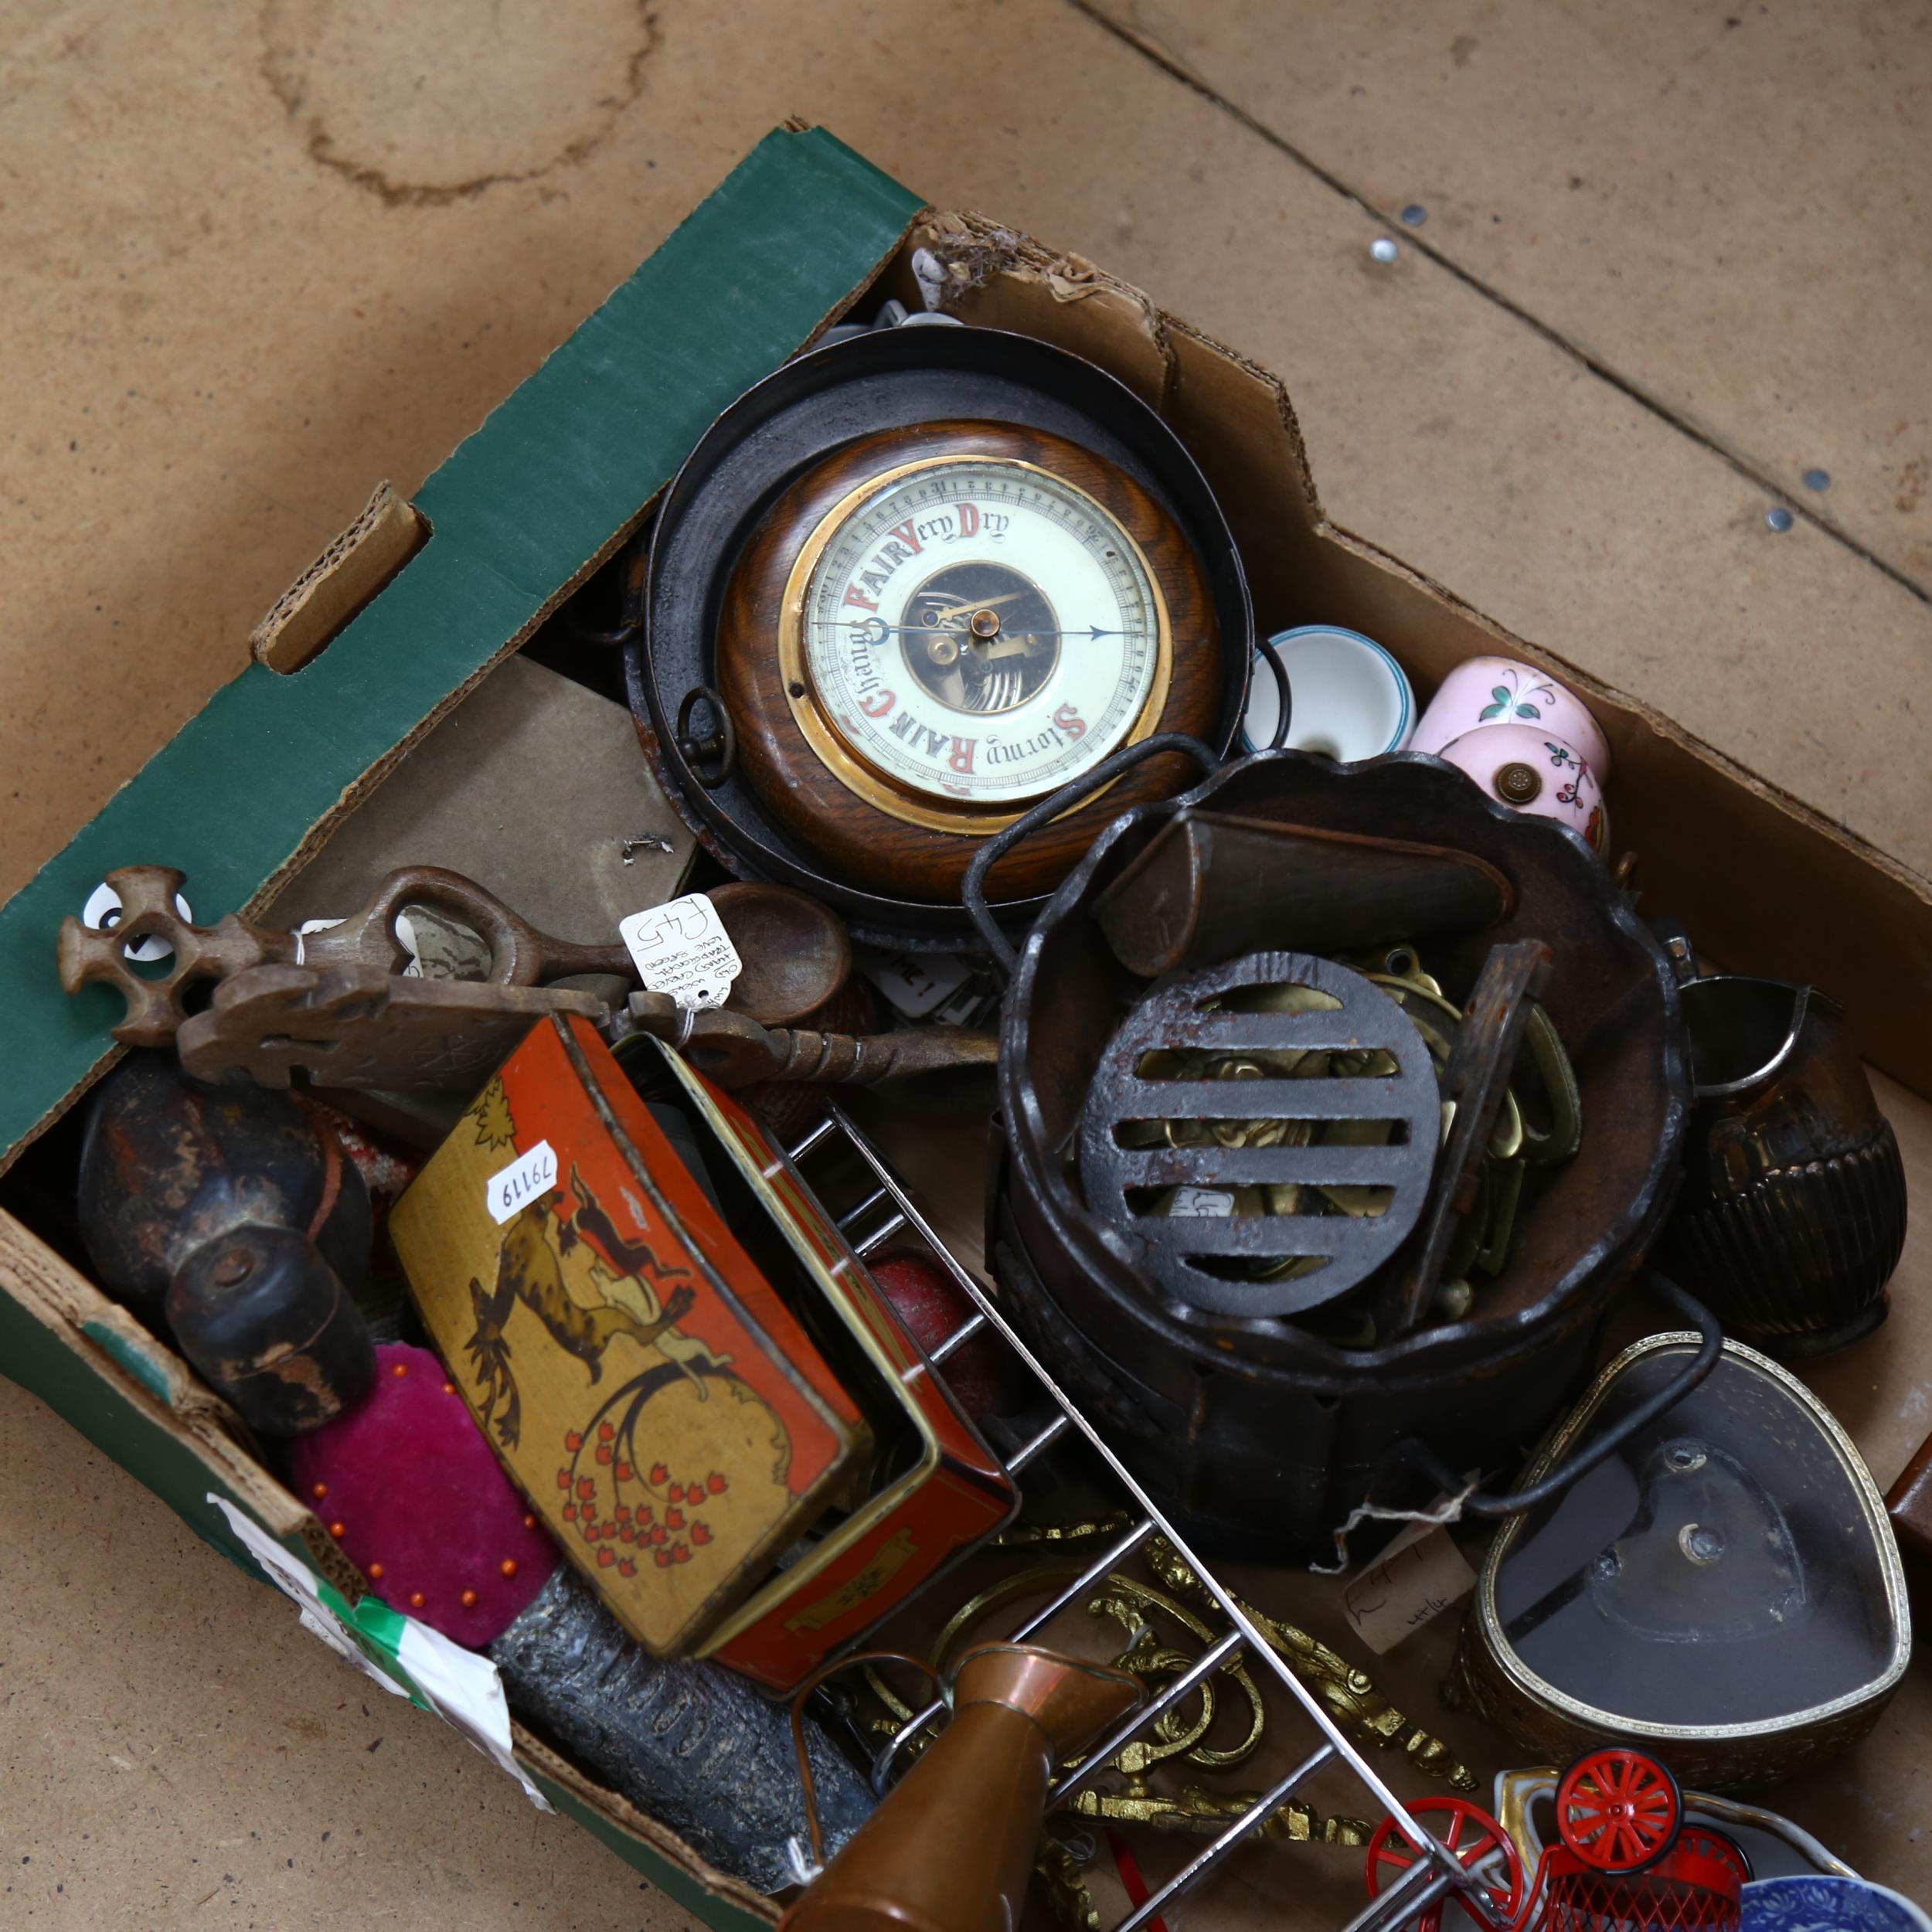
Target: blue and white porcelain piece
(1825, 1904)
(1349, 698)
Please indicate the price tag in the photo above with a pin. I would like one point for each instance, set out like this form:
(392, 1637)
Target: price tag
(681, 948)
(1416, 1578)
(1201, 1204)
(511, 1189)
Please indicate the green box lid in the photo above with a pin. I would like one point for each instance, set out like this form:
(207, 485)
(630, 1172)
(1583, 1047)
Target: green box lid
(520, 509)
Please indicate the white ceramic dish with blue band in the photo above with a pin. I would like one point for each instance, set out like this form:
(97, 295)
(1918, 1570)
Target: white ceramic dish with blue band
(1822, 1904)
(1350, 699)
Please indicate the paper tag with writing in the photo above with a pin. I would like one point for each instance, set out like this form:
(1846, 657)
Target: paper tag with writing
(681, 948)
(914, 982)
(1419, 1575)
(1201, 1204)
(511, 1189)
(406, 1658)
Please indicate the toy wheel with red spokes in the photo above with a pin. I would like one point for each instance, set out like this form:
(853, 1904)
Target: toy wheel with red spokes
(1618, 1810)
(1479, 1845)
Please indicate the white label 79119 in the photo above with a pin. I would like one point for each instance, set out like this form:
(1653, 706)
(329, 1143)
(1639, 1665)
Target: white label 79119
(511, 1189)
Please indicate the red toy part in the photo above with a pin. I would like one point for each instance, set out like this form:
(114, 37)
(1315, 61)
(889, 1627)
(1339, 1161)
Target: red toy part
(1618, 1810)
(1697, 1886)
(1716, 1855)
(1476, 1839)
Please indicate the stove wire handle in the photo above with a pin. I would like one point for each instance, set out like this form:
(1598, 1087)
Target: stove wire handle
(1420, 1456)
(1285, 699)
(973, 888)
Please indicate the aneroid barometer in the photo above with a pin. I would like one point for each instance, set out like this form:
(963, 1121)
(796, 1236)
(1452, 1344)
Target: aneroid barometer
(908, 632)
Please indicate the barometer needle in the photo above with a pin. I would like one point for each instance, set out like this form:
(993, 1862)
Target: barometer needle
(874, 630)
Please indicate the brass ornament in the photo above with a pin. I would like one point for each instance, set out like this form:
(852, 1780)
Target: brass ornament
(1207, 1814)
(1060, 1866)
(1026, 1535)
(1176, 1737)
(1349, 1693)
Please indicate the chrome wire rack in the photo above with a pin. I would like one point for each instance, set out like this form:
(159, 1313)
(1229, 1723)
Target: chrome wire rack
(883, 1212)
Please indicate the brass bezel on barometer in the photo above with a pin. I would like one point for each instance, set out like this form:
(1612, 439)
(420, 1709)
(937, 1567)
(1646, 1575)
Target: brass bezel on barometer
(843, 759)
(880, 831)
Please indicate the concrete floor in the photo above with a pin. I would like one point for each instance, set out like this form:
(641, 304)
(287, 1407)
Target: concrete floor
(1669, 258)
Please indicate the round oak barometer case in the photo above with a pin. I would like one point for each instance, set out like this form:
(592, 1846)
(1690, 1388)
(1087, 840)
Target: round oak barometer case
(906, 587)
(937, 627)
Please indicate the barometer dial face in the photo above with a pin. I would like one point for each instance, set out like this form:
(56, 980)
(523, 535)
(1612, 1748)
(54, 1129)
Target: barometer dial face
(967, 633)
(931, 629)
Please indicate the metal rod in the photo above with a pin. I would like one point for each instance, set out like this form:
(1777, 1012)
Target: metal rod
(1044, 1440)
(1258, 1648)
(1117, 1552)
(813, 1136)
(864, 1208)
(1395, 1900)
(880, 1235)
(1263, 1808)
(957, 1340)
(1096, 1761)
(1436, 1857)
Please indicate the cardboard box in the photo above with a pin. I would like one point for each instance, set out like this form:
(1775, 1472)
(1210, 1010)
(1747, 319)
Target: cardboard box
(551, 485)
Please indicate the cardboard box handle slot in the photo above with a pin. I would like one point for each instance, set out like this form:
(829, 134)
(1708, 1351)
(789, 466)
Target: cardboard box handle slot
(358, 564)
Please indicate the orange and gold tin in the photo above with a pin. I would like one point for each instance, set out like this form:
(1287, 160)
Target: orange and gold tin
(683, 1364)
(646, 1385)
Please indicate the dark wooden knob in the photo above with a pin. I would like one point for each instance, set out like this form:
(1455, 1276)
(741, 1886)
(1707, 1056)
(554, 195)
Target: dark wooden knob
(229, 1216)
(268, 1323)
(1517, 784)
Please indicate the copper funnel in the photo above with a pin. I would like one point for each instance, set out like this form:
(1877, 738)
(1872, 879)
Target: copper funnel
(951, 1847)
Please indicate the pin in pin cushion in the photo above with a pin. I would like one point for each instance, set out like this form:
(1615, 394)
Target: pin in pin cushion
(682, 1364)
(1722, 1591)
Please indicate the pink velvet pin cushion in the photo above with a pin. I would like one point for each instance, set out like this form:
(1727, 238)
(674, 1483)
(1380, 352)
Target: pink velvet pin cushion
(409, 1487)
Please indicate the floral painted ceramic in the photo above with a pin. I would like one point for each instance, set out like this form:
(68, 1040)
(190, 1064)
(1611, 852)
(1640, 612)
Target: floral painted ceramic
(1824, 1904)
(1534, 771)
(1500, 690)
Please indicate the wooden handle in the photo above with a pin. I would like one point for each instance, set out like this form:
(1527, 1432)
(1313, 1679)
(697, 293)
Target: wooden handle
(519, 954)
(1909, 1502)
(86, 954)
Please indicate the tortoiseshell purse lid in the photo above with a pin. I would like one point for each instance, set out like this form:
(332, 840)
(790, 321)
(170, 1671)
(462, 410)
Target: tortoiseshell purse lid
(664, 1412)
